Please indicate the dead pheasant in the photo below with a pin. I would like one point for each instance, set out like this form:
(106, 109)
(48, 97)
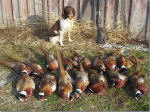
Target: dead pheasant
(137, 82)
(99, 65)
(81, 80)
(112, 62)
(47, 86)
(51, 61)
(18, 67)
(67, 62)
(65, 88)
(25, 87)
(116, 79)
(85, 61)
(98, 82)
(37, 69)
(124, 63)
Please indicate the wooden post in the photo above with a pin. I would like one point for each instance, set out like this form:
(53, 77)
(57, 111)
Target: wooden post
(100, 38)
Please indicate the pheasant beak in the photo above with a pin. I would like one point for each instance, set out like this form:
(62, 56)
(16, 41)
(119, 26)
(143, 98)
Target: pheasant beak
(72, 99)
(24, 99)
(43, 98)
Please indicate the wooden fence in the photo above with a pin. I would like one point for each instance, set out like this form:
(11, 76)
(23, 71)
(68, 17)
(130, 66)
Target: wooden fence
(133, 13)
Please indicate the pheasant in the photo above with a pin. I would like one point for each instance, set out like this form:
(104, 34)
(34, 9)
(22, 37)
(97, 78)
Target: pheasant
(65, 88)
(98, 82)
(86, 63)
(99, 65)
(138, 85)
(37, 70)
(18, 67)
(25, 87)
(67, 62)
(116, 79)
(51, 61)
(47, 86)
(124, 63)
(137, 81)
(112, 63)
(81, 80)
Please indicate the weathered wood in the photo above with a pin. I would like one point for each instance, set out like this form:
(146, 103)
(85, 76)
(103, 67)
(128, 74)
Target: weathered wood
(86, 9)
(4, 13)
(38, 7)
(55, 7)
(102, 13)
(1, 14)
(109, 23)
(138, 16)
(148, 23)
(127, 12)
(30, 5)
(16, 14)
(8, 11)
(45, 10)
(23, 10)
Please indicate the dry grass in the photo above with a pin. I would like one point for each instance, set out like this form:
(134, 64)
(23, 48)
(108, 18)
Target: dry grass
(23, 44)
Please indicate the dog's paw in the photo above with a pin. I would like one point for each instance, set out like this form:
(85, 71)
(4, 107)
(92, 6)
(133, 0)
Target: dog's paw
(70, 40)
(61, 44)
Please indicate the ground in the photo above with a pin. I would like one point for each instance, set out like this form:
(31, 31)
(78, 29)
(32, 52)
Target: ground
(23, 45)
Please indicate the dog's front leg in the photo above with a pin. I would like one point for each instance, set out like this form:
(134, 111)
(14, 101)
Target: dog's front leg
(69, 36)
(61, 38)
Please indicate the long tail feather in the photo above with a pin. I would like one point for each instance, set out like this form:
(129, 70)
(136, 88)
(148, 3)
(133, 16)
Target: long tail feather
(6, 64)
(61, 67)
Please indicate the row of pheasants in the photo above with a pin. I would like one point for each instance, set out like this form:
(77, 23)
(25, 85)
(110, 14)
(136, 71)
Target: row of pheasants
(94, 76)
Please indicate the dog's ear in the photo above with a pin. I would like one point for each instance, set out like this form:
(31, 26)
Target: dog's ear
(73, 11)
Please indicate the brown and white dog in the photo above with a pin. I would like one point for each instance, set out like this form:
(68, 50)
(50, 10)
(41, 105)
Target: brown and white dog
(64, 24)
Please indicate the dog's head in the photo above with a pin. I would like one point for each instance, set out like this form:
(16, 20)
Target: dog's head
(68, 12)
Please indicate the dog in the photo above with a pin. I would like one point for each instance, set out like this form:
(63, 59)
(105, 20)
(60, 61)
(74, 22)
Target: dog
(64, 24)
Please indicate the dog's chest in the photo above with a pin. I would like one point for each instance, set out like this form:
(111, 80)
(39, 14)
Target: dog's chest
(66, 25)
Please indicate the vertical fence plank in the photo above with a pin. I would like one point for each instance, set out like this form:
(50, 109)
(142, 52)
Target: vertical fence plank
(127, 11)
(148, 23)
(23, 10)
(1, 14)
(102, 13)
(38, 7)
(4, 13)
(138, 16)
(8, 11)
(45, 10)
(109, 23)
(16, 13)
(30, 4)
(54, 8)
(86, 9)
(60, 7)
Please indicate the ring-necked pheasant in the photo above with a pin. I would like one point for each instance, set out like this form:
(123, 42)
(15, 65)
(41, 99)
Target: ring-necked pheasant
(47, 86)
(99, 65)
(116, 79)
(18, 67)
(51, 61)
(81, 80)
(67, 62)
(98, 82)
(65, 88)
(124, 63)
(137, 81)
(25, 87)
